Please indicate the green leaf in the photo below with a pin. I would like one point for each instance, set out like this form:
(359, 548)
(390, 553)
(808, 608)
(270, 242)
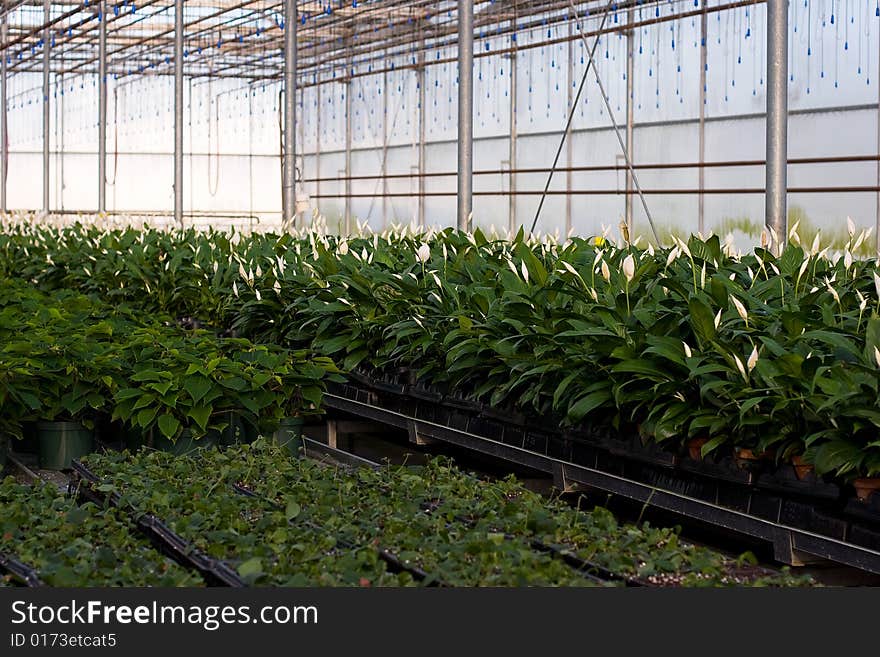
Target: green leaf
(292, 510)
(252, 568)
(702, 319)
(197, 386)
(168, 425)
(201, 414)
(146, 416)
(584, 405)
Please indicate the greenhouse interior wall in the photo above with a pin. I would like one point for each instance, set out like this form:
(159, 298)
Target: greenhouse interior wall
(232, 137)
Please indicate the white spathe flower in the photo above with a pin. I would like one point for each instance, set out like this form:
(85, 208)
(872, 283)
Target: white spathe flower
(877, 284)
(673, 254)
(525, 271)
(342, 249)
(235, 289)
(877, 356)
(629, 268)
(833, 291)
(687, 349)
(703, 277)
(257, 293)
(803, 269)
(850, 226)
(847, 260)
(424, 253)
(753, 359)
(569, 268)
(606, 273)
(740, 308)
(717, 319)
(277, 287)
(741, 368)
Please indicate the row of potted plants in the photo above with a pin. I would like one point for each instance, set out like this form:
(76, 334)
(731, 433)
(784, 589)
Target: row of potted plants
(757, 352)
(67, 361)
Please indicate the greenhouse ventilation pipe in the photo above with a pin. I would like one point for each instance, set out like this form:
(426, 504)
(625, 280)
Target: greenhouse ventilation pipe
(47, 8)
(777, 120)
(102, 107)
(178, 112)
(465, 113)
(288, 191)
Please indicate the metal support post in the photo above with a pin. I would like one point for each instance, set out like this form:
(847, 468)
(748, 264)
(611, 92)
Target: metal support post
(630, 116)
(318, 113)
(47, 8)
(465, 113)
(4, 128)
(423, 132)
(288, 166)
(385, 147)
(777, 121)
(102, 107)
(704, 44)
(178, 112)
(349, 105)
(514, 91)
(569, 141)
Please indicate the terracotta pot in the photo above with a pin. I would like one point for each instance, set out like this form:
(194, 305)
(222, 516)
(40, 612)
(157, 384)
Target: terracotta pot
(745, 458)
(695, 446)
(866, 486)
(802, 469)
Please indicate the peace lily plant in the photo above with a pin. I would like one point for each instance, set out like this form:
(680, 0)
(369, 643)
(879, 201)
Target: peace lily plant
(777, 354)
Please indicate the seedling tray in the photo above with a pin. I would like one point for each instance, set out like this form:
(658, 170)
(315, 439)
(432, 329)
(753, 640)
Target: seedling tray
(21, 573)
(393, 561)
(214, 571)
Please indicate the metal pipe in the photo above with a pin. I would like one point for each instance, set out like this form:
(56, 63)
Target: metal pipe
(318, 144)
(4, 128)
(665, 191)
(777, 121)
(178, 112)
(349, 105)
(630, 117)
(102, 107)
(384, 149)
(423, 134)
(704, 44)
(720, 164)
(465, 113)
(514, 90)
(288, 164)
(569, 142)
(47, 8)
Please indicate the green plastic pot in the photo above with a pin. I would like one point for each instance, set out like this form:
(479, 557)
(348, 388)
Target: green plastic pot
(61, 442)
(29, 443)
(289, 435)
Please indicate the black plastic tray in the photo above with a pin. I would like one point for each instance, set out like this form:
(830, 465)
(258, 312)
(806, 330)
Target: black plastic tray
(214, 571)
(21, 573)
